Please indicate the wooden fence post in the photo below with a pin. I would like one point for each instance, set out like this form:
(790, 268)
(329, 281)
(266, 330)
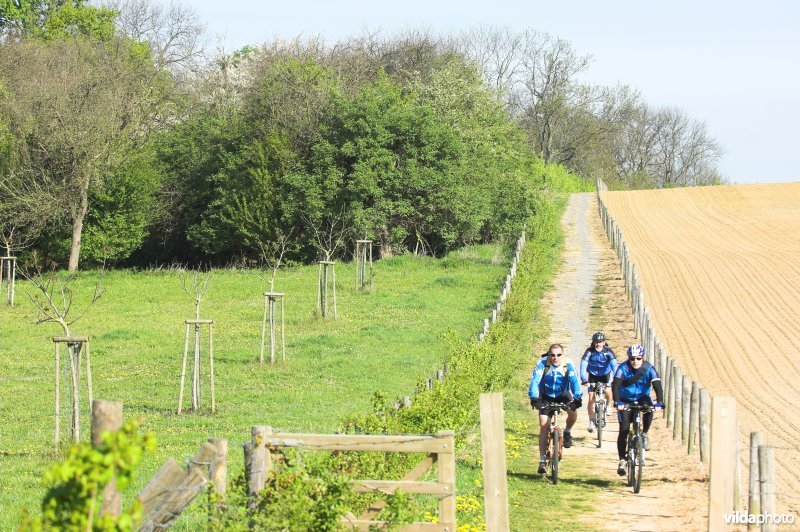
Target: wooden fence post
(694, 417)
(107, 416)
(218, 470)
(677, 402)
(686, 397)
(766, 472)
(754, 493)
(447, 475)
(260, 460)
(669, 411)
(722, 475)
(494, 461)
(705, 426)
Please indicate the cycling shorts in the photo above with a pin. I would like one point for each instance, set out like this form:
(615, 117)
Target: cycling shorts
(566, 398)
(607, 378)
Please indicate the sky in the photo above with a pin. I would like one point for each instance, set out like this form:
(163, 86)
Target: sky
(734, 65)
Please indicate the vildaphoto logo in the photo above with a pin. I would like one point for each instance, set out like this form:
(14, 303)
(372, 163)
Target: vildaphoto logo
(744, 518)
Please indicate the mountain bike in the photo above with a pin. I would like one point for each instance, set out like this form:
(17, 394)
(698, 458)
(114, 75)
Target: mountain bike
(599, 389)
(635, 452)
(555, 438)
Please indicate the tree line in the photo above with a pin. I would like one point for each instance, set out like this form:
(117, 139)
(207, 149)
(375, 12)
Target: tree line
(122, 140)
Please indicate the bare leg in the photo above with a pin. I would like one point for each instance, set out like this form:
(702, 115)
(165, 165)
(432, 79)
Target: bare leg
(591, 403)
(544, 429)
(572, 417)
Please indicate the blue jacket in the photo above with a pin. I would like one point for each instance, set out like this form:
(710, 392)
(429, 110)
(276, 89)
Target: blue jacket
(598, 363)
(638, 389)
(557, 382)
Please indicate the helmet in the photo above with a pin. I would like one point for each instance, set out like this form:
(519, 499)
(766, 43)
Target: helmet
(598, 337)
(635, 351)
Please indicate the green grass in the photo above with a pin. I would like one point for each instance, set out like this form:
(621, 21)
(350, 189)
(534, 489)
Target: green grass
(382, 341)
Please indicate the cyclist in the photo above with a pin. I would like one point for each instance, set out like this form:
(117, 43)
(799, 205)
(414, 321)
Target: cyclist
(632, 383)
(554, 380)
(598, 364)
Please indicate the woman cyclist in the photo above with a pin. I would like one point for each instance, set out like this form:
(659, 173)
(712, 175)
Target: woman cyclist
(632, 382)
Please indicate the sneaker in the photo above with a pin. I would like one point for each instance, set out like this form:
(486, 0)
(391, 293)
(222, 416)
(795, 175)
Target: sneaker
(542, 467)
(645, 441)
(567, 439)
(590, 428)
(622, 469)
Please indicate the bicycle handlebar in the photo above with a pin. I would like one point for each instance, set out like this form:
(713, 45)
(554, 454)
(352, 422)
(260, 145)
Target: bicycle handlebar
(553, 406)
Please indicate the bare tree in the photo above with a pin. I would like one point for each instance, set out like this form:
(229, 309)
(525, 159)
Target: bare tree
(196, 285)
(174, 32)
(272, 256)
(329, 232)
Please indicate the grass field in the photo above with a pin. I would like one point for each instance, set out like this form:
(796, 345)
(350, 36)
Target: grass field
(382, 341)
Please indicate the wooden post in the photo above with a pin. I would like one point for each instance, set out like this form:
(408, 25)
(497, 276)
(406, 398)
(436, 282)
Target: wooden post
(363, 256)
(211, 366)
(694, 417)
(722, 474)
(271, 310)
(218, 470)
(8, 274)
(754, 493)
(183, 368)
(57, 398)
(494, 461)
(197, 323)
(447, 475)
(107, 417)
(767, 485)
(669, 411)
(686, 397)
(705, 426)
(678, 391)
(260, 463)
(264, 329)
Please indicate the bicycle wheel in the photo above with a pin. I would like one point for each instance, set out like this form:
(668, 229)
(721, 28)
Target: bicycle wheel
(555, 455)
(599, 421)
(639, 458)
(629, 456)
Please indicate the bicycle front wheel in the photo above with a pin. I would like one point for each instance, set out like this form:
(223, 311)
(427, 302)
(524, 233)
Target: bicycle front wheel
(639, 457)
(599, 421)
(555, 456)
(631, 461)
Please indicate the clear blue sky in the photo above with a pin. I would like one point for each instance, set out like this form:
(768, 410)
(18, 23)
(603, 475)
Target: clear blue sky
(733, 64)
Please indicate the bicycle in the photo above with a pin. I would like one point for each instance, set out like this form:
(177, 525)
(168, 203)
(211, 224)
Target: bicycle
(599, 390)
(555, 438)
(635, 451)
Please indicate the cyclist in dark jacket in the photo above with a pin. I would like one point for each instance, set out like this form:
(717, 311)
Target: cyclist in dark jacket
(598, 364)
(632, 384)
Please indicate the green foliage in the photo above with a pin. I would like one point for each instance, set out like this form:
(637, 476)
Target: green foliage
(121, 210)
(302, 493)
(74, 498)
(56, 20)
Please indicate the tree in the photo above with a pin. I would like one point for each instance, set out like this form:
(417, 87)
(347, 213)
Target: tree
(76, 108)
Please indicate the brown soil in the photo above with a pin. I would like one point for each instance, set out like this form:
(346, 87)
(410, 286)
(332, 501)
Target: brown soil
(720, 268)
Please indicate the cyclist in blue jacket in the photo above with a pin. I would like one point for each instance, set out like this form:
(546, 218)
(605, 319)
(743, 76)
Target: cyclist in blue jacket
(554, 380)
(632, 383)
(598, 364)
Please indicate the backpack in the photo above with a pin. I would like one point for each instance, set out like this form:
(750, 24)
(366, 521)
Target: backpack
(547, 365)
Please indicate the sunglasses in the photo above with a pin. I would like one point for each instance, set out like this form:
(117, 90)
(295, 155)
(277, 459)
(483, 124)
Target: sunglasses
(557, 355)
(636, 358)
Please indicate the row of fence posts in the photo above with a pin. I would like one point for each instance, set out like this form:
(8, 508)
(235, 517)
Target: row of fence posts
(705, 425)
(438, 375)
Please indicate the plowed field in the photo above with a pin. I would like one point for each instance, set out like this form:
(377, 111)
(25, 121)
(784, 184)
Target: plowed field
(720, 269)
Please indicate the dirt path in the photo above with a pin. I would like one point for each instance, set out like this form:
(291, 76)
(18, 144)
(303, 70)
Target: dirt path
(673, 494)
